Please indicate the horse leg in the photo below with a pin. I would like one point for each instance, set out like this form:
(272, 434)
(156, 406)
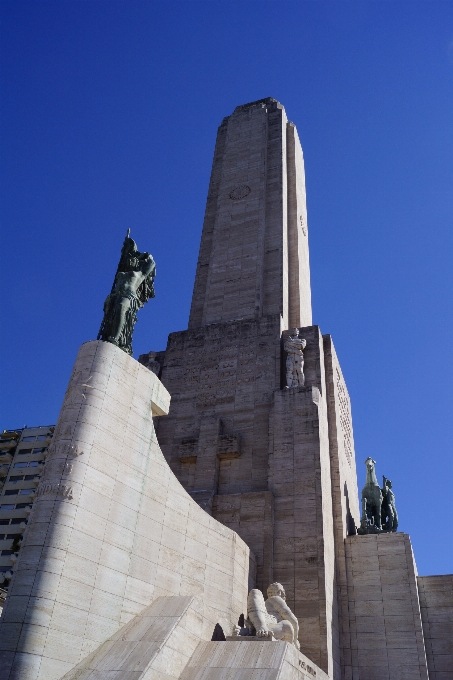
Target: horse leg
(378, 516)
(384, 513)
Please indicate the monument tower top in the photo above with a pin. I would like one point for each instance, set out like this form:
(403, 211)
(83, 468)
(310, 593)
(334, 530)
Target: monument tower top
(253, 258)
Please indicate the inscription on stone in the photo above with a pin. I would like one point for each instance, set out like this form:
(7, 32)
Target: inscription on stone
(345, 417)
(55, 489)
(302, 225)
(64, 430)
(307, 668)
(63, 449)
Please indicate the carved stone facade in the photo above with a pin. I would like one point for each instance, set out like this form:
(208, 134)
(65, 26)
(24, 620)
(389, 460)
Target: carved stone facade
(124, 570)
(289, 486)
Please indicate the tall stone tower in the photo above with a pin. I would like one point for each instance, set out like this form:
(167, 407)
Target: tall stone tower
(276, 465)
(254, 250)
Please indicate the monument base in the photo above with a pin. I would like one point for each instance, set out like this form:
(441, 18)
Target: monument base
(261, 660)
(386, 635)
(250, 638)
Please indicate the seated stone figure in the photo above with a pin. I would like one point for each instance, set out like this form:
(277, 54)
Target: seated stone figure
(272, 616)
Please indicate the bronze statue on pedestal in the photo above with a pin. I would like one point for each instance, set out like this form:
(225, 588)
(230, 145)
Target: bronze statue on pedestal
(132, 288)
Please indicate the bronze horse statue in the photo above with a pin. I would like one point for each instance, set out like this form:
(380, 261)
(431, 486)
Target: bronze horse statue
(371, 501)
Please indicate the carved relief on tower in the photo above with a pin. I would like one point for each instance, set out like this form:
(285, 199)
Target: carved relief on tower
(240, 191)
(345, 416)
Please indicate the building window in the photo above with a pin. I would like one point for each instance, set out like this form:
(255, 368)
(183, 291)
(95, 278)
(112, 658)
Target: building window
(20, 465)
(27, 477)
(4, 521)
(11, 536)
(42, 437)
(28, 439)
(19, 506)
(7, 507)
(7, 552)
(11, 492)
(34, 463)
(18, 520)
(16, 478)
(24, 451)
(24, 492)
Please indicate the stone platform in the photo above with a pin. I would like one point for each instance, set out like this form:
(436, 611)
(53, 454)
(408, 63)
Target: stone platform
(246, 660)
(386, 633)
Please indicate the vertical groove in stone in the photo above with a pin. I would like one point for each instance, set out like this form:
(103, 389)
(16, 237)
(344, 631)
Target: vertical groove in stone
(298, 255)
(201, 277)
(293, 240)
(275, 269)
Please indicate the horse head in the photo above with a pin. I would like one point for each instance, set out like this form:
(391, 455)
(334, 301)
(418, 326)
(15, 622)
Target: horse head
(370, 463)
(370, 472)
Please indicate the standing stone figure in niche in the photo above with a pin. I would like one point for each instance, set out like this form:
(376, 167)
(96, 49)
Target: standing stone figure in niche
(132, 288)
(294, 347)
(270, 617)
(389, 515)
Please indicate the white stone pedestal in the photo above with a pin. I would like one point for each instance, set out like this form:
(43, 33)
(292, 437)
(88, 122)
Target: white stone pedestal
(386, 636)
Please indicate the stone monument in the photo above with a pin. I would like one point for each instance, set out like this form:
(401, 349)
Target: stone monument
(156, 527)
(290, 488)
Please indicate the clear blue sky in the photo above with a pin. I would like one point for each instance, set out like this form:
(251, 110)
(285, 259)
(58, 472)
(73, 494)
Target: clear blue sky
(109, 117)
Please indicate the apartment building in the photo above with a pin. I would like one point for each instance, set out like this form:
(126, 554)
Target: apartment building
(22, 459)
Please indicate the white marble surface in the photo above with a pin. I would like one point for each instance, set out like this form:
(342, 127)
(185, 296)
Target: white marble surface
(243, 660)
(158, 642)
(111, 529)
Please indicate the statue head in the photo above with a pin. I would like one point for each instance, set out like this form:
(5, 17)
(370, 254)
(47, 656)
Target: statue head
(294, 331)
(276, 589)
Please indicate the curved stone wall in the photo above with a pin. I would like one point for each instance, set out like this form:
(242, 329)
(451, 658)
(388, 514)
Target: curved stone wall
(111, 529)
